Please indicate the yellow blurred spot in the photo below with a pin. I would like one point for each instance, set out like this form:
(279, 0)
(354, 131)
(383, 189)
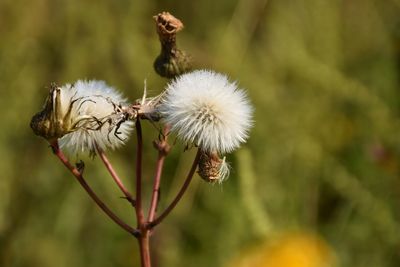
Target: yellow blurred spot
(290, 250)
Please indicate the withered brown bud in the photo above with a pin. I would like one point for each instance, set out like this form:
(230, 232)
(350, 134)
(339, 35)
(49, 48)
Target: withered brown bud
(171, 61)
(212, 168)
(43, 122)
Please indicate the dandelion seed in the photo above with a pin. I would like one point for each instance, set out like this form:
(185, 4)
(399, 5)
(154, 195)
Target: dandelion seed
(204, 108)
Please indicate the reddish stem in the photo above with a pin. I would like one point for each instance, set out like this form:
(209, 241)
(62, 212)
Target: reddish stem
(139, 154)
(144, 249)
(92, 194)
(144, 232)
(156, 187)
(163, 149)
(115, 176)
(180, 193)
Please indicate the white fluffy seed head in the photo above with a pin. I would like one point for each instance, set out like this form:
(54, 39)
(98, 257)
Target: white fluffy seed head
(94, 117)
(205, 108)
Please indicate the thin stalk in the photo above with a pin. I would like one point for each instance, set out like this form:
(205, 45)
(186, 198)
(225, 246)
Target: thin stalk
(156, 186)
(115, 176)
(88, 189)
(163, 149)
(144, 249)
(180, 193)
(143, 238)
(139, 155)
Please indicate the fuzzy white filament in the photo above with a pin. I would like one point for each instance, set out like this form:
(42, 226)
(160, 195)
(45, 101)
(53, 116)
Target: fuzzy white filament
(224, 171)
(94, 109)
(205, 108)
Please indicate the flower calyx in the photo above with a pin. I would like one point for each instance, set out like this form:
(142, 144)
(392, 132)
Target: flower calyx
(212, 168)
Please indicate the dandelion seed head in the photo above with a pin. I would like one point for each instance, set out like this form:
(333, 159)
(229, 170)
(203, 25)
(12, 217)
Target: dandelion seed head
(94, 108)
(205, 108)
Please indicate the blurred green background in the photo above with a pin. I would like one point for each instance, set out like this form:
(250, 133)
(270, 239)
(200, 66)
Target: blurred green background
(321, 168)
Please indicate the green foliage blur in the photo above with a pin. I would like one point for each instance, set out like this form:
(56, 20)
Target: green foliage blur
(323, 156)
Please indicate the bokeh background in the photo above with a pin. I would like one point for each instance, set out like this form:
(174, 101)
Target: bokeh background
(317, 184)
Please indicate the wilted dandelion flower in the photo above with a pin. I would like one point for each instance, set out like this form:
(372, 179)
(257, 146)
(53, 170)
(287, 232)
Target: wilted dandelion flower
(83, 116)
(102, 120)
(205, 108)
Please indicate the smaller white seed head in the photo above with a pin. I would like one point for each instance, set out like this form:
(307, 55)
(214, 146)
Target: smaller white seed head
(205, 108)
(96, 118)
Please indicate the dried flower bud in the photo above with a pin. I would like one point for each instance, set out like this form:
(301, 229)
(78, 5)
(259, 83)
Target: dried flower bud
(167, 26)
(171, 61)
(212, 168)
(50, 123)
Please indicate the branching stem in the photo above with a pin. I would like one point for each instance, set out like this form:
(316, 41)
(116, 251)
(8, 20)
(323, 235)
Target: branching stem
(78, 175)
(115, 176)
(180, 193)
